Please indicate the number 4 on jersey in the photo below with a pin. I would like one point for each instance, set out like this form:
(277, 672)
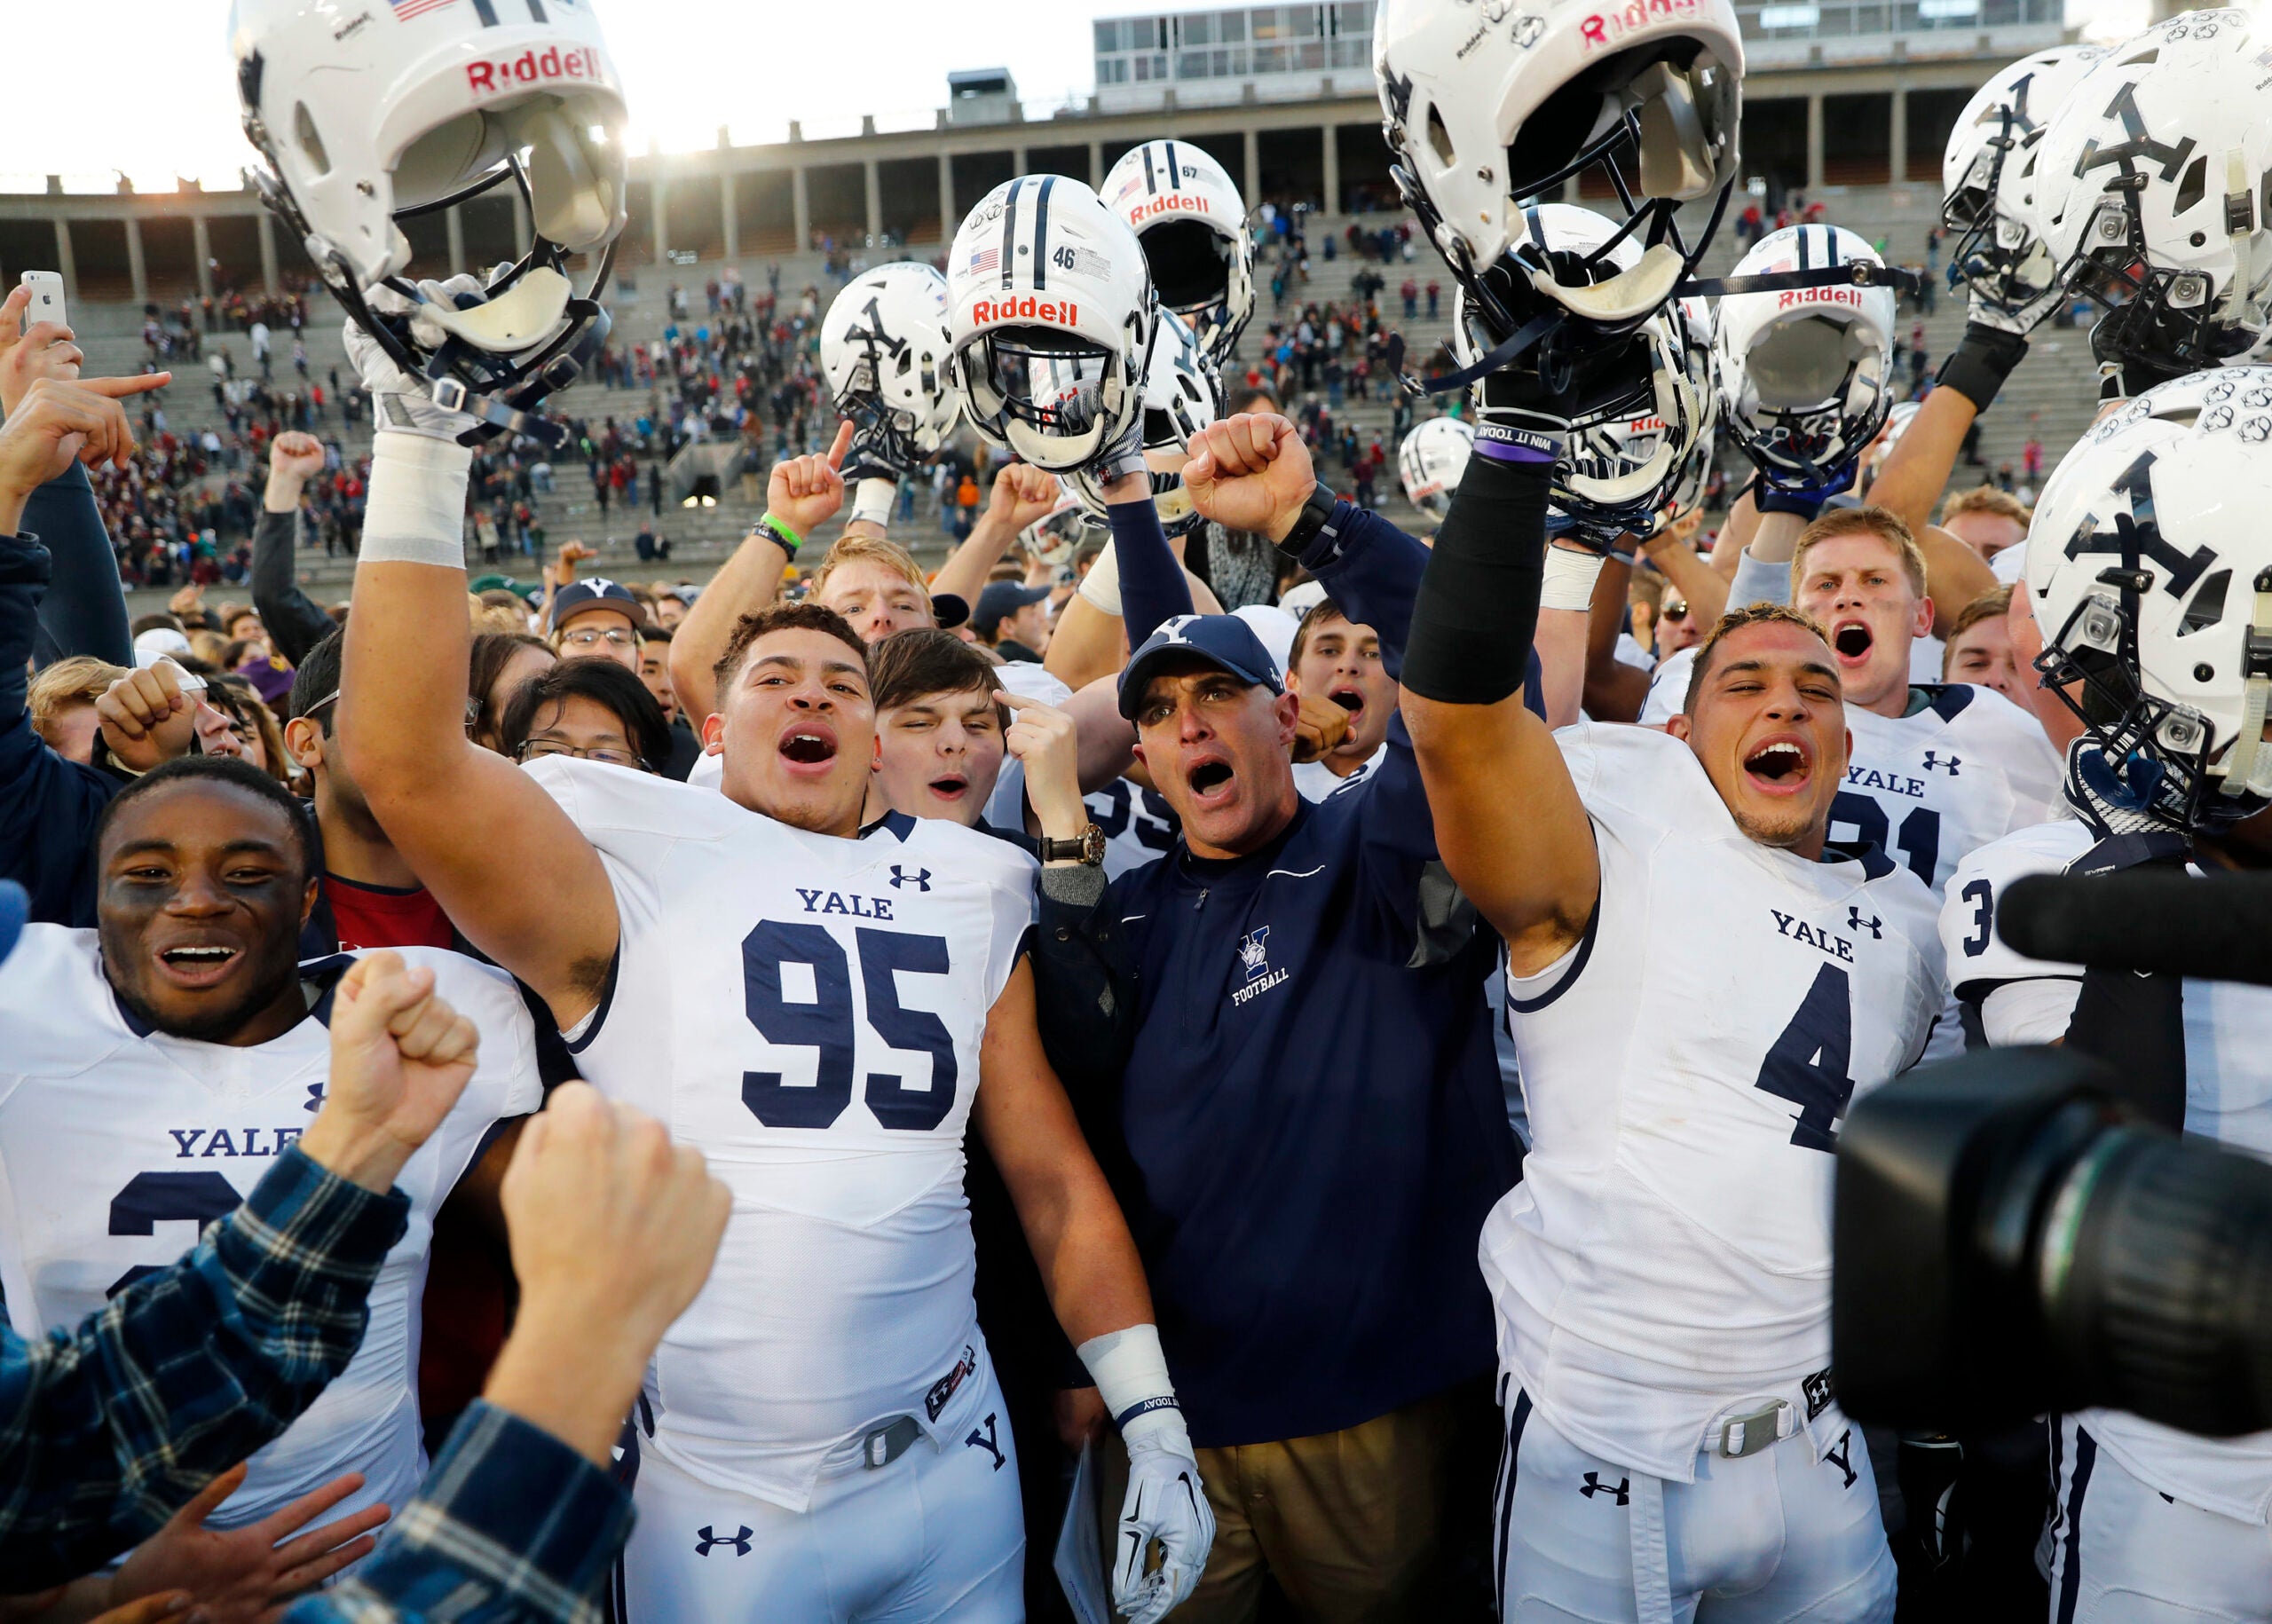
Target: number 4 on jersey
(1809, 1064)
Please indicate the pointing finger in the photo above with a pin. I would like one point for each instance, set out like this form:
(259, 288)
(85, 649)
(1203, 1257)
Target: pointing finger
(140, 384)
(843, 444)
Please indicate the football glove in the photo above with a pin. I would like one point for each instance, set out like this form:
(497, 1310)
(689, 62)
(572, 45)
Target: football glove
(1166, 1502)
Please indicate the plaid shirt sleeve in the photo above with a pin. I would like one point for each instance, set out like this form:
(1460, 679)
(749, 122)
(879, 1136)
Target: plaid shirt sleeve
(511, 1524)
(107, 1429)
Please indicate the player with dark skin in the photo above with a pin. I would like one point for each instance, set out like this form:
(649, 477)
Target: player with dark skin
(203, 889)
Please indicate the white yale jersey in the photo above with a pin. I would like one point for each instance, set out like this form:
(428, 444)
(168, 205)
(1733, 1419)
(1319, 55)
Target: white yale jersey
(118, 1145)
(2228, 1099)
(1667, 1254)
(1968, 768)
(806, 1011)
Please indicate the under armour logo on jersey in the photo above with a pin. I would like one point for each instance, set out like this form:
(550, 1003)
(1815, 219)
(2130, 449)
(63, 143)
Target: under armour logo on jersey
(739, 1540)
(1854, 921)
(1934, 763)
(1622, 1488)
(2136, 535)
(1840, 1454)
(990, 1440)
(315, 1097)
(920, 878)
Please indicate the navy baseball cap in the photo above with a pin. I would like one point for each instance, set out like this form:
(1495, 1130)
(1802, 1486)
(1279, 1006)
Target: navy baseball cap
(578, 596)
(14, 905)
(999, 601)
(1224, 641)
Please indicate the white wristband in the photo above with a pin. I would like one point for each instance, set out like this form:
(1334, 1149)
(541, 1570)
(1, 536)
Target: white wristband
(415, 511)
(872, 500)
(1758, 581)
(1131, 1372)
(1570, 577)
(1101, 585)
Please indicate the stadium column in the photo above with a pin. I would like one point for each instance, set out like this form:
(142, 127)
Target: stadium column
(65, 265)
(948, 218)
(1899, 142)
(872, 182)
(455, 222)
(1332, 172)
(662, 220)
(1814, 144)
(267, 251)
(201, 244)
(800, 209)
(1096, 166)
(1253, 169)
(728, 227)
(137, 269)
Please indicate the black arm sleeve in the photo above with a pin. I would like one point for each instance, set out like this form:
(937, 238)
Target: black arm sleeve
(84, 611)
(295, 622)
(1476, 614)
(2136, 1024)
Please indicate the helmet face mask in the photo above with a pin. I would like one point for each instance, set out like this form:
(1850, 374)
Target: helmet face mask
(2152, 583)
(883, 348)
(1191, 223)
(363, 128)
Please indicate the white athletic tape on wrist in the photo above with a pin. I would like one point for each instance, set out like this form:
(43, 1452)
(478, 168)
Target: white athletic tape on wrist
(1101, 585)
(872, 500)
(415, 511)
(1758, 581)
(1131, 1373)
(1570, 577)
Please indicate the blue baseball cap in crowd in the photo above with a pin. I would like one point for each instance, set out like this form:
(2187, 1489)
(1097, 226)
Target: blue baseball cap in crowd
(578, 596)
(997, 602)
(14, 905)
(1224, 641)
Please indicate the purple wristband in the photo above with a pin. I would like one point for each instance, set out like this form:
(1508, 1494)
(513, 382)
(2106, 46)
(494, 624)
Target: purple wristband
(1501, 451)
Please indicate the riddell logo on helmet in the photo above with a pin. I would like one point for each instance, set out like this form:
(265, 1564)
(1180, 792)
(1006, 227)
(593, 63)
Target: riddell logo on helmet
(1028, 308)
(1791, 296)
(534, 68)
(1162, 205)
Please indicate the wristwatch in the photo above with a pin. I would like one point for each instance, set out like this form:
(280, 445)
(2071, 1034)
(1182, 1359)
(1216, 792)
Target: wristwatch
(1316, 514)
(1085, 847)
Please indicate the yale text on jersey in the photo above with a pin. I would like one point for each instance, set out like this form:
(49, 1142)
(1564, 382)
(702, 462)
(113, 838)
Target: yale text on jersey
(1814, 935)
(836, 902)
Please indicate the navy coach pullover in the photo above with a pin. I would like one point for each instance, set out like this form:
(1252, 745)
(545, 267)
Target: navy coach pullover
(1307, 1128)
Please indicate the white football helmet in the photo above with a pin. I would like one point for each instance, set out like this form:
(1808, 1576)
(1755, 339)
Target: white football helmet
(1488, 103)
(1182, 395)
(366, 121)
(2147, 563)
(1988, 185)
(883, 348)
(1192, 223)
(1632, 439)
(1431, 462)
(1806, 374)
(1058, 535)
(2151, 192)
(1050, 316)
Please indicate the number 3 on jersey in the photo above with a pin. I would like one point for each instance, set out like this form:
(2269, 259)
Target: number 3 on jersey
(826, 1023)
(1810, 1064)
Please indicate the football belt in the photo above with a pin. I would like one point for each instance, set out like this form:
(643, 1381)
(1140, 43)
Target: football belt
(1856, 273)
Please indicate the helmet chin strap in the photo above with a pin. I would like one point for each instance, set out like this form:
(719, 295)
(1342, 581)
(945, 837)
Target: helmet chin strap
(2248, 769)
(2239, 306)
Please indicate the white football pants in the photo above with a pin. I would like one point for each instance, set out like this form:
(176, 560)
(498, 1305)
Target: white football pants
(1774, 1536)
